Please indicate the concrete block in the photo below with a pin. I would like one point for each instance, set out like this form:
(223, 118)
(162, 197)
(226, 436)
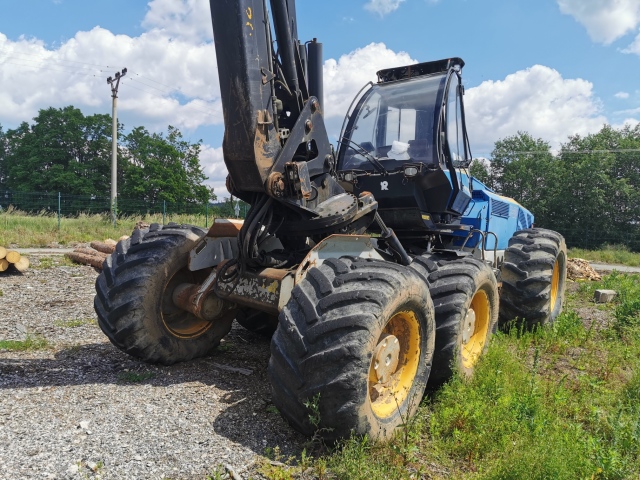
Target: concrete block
(604, 296)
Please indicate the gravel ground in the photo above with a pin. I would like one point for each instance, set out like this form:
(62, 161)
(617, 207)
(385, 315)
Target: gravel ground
(80, 408)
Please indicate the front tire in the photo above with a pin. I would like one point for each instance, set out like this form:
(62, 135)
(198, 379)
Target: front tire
(465, 297)
(534, 276)
(357, 335)
(134, 298)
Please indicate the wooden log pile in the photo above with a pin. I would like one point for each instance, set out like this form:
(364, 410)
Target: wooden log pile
(579, 269)
(11, 258)
(96, 255)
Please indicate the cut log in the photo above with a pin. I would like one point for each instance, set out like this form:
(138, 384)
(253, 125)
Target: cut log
(93, 260)
(3, 252)
(22, 264)
(103, 247)
(12, 256)
(91, 251)
(110, 241)
(3, 264)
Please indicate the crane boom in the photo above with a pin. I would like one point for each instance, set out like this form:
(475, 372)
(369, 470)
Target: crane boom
(275, 140)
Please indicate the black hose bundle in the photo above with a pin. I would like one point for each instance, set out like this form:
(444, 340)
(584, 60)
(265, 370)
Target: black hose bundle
(256, 228)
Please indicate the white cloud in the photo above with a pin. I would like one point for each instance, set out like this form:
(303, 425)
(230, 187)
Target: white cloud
(537, 100)
(170, 80)
(212, 162)
(605, 20)
(622, 95)
(627, 122)
(187, 19)
(173, 80)
(634, 47)
(630, 111)
(343, 78)
(382, 7)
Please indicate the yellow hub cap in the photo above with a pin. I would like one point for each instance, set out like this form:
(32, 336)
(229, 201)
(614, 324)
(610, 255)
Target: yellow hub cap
(475, 329)
(555, 284)
(394, 364)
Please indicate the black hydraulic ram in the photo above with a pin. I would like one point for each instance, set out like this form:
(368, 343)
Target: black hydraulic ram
(315, 73)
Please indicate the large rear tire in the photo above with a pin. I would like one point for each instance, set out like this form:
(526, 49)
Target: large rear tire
(358, 337)
(534, 276)
(465, 297)
(134, 298)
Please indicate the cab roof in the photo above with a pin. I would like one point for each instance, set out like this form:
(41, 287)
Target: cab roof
(419, 69)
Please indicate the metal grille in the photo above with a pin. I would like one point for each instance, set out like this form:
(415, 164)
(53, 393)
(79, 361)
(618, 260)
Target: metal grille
(499, 209)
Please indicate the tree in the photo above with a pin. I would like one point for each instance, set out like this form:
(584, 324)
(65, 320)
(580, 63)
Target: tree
(62, 151)
(479, 169)
(65, 151)
(158, 168)
(523, 168)
(600, 201)
(230, 206)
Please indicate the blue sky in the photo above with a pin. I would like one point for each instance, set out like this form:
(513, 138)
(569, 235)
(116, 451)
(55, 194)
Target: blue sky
(551, 67)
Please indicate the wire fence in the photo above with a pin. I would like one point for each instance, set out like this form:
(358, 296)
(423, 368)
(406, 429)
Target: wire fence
(63, 205)
(592, 239)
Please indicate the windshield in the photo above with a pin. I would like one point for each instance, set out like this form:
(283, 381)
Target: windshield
(396, 121)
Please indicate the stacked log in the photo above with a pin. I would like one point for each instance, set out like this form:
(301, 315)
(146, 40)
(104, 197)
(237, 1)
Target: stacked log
(94, 256)
(104, 247)
(95, 259)
(9, 258)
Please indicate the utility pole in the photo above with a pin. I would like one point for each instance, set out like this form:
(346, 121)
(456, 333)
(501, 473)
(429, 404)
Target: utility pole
(114, 142)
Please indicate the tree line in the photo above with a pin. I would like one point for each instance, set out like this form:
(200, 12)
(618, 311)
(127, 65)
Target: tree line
(66, 151)
(589, 190)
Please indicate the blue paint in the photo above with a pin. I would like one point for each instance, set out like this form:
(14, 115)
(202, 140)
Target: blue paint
(489, 212)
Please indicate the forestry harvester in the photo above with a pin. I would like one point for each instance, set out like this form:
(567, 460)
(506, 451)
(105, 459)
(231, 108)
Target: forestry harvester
(375, 266)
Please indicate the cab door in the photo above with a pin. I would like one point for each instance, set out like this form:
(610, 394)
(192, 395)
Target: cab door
(456, 148)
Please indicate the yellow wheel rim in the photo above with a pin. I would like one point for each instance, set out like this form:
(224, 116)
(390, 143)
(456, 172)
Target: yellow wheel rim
(475, 329)
(394, 364)
(555, 284)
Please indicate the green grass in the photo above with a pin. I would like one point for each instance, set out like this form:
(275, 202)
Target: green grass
(135, 377)
(47, 262)
(616, 254)
(74, 322)
(28, 344)
(561, 402)
(17, 228)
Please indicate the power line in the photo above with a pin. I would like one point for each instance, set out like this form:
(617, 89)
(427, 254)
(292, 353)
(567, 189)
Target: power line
(562, 152)
(151, 79)
(168, 92)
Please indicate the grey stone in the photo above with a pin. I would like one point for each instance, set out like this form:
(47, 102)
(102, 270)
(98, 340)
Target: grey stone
(604, 296)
